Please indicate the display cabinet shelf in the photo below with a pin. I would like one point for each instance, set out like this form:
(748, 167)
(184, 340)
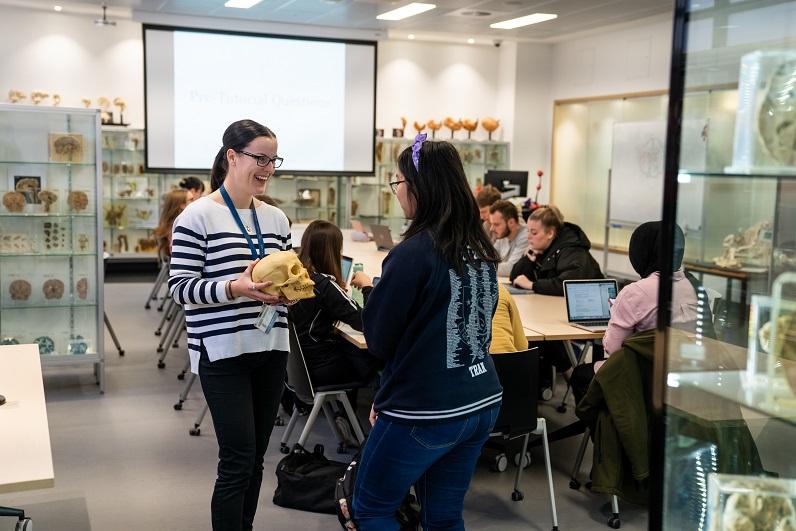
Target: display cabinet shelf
(51, 266)
(46, 163)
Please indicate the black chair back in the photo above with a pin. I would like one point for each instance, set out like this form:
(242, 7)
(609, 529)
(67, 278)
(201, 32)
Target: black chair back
(519, 375)
(298, 376)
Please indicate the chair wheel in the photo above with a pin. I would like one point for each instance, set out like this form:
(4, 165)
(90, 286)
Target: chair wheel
(574, 484)
(500, 463)
(614, 522)
(342, 448)
(181, 376)
(526, 460)
(588, 485)
(279, 421)
(161, 365)
(158, 332)
(195, 431)
(159, 350)
(26, 524)
(147, 306)
(178, 406)
(517, 496)
(546, 394)
(283, 448)
(121, 353)
(562, 408)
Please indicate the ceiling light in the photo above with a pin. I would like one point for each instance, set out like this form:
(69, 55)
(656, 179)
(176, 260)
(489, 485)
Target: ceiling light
(104, 20)
(410, 10)
(523, 21)
(470, 41)
(241, 4)
(411, 36)
(58, 8)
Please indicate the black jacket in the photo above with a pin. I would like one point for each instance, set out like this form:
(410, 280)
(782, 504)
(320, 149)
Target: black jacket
(567, 257)
(315, 318)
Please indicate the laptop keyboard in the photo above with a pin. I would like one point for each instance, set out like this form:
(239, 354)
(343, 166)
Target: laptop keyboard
(593, 323)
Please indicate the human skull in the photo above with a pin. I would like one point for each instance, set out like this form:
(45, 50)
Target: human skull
(290, 279)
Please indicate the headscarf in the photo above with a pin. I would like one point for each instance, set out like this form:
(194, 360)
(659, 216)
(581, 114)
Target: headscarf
(645, 248)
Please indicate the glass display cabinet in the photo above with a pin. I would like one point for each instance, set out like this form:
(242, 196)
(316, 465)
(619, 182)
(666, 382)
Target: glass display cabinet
(51, 263)
(304, 198)
(371, 198)
(725, 406)
(131, 197)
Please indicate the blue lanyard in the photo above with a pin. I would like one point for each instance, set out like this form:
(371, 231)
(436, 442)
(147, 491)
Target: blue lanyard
(235, 215)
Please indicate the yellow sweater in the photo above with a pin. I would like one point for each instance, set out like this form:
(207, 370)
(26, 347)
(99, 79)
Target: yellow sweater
(507, 332)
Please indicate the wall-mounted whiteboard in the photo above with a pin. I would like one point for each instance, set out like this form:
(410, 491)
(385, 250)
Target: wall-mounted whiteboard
(637, 160)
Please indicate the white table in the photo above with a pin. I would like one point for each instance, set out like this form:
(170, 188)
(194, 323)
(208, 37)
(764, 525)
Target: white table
(26, 461)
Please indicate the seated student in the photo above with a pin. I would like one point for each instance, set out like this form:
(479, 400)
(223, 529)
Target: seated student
(330, 358)
(509, 234)
(636, 306)
(485, 198)
(508, 335)
(174, 203)
(194, 186)
(557, 251)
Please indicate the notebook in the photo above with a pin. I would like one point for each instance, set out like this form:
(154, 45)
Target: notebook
(588, 305)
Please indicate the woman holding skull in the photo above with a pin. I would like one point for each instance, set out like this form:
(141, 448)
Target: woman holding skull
(217, 240)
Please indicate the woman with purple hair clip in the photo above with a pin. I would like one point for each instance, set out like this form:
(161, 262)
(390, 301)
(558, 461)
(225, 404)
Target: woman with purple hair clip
(430, 320)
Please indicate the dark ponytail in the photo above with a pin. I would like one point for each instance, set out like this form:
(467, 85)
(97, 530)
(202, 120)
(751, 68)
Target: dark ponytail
(237, 136)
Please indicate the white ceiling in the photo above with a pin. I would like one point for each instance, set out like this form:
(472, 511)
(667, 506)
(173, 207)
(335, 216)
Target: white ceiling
(450, 16)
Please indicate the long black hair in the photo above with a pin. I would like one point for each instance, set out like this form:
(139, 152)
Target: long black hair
(445, 205)
(237, 136)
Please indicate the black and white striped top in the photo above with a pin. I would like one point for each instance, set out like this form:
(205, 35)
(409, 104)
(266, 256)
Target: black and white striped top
(207, 250)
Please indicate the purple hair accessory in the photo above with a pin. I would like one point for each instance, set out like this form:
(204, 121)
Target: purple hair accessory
(419, 139)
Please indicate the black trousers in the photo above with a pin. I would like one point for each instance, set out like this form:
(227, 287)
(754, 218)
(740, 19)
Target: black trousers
(243, 396)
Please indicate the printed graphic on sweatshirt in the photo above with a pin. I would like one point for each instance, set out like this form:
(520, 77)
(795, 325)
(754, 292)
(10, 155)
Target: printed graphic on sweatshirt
(469, 323)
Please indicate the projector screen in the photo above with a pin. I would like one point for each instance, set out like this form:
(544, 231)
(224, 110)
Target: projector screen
(318, 96)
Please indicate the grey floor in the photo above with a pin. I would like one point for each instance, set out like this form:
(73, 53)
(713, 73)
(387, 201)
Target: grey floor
(125, 461)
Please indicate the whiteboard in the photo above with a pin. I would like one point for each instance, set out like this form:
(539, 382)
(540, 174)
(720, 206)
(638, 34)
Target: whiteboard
(637, 159)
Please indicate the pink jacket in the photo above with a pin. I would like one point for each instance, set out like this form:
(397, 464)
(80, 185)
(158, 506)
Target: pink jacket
(636, 308)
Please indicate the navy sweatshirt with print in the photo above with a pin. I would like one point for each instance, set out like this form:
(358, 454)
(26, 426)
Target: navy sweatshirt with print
(432, 327)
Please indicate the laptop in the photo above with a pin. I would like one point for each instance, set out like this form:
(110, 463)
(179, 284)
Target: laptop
(383, 237)
(346, 265)
(588, 305)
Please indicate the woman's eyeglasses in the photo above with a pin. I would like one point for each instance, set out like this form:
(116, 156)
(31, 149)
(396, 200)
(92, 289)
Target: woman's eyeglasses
(394, 186)
(263, 160)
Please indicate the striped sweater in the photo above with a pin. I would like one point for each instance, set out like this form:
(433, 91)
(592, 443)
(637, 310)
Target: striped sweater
(207, 250)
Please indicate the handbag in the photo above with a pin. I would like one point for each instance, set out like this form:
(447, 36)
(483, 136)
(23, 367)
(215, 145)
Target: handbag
(407, 515)
(306, 480)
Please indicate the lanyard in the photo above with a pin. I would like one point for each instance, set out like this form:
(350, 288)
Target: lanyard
(235, 215)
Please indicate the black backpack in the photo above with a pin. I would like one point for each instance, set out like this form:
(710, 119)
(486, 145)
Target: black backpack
(306, 480)
(408, 514)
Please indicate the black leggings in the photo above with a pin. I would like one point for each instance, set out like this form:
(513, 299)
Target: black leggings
(243, 395)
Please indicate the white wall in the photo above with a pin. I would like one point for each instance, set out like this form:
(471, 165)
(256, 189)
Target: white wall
(71, 56)
(533, 115)
(423, 81)
(634, 59)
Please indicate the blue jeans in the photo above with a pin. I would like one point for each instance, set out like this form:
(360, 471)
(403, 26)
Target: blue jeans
(438, 459)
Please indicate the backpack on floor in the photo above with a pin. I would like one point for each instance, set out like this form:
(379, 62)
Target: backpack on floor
(408, 515)
(306, 480)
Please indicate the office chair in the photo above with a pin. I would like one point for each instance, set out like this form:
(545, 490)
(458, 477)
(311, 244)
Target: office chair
(23, 523)
(300, 382)
(614, 522)
(519, 375)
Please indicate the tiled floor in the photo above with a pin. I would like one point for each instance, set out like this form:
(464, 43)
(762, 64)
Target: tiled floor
(125, 461)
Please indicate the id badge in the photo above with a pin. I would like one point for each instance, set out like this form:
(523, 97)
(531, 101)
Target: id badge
(266, 319)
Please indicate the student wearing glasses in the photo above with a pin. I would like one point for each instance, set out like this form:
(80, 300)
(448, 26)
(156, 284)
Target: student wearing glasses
(430, 320)
(217, 240)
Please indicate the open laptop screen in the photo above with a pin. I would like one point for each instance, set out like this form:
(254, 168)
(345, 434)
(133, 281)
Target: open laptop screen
(587, 300)
(345, 267)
